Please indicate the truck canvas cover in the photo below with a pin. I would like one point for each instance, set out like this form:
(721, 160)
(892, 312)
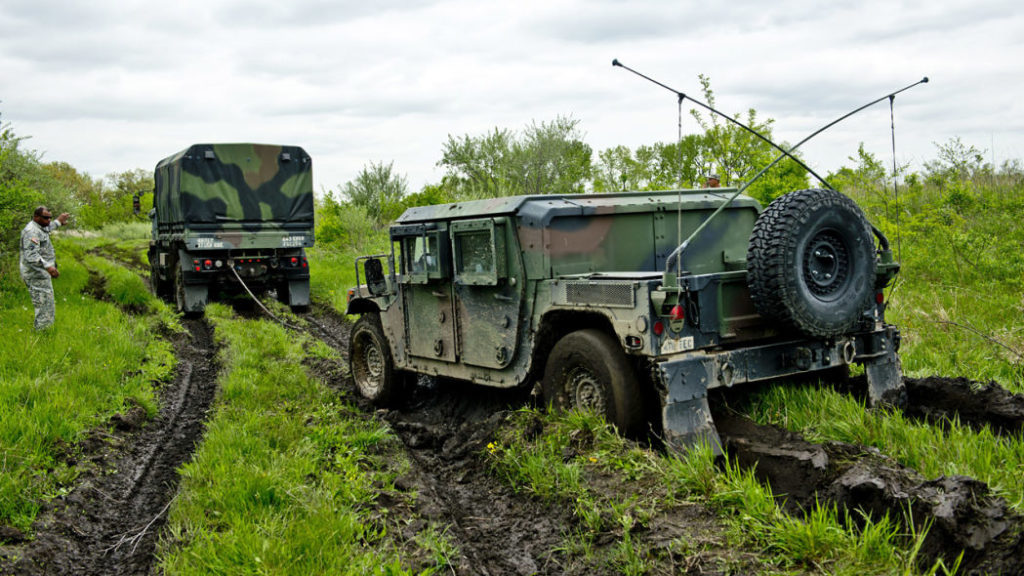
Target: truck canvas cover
(247, 184)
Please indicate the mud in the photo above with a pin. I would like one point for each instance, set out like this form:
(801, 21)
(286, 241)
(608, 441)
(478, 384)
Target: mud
(108, 525)
(445, 427)
(974, 404)
(961, 512)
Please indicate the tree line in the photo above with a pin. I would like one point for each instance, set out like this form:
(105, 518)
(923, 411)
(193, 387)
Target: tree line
(543, 157)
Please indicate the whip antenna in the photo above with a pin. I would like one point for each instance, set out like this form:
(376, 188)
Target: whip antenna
(682, 96)
(678, 252)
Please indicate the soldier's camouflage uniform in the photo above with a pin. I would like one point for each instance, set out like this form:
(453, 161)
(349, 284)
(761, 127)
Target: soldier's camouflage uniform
(37, 255)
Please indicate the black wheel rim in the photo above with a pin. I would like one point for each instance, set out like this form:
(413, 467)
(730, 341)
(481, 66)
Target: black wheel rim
(369, 365)
(826, 265)
(585, 390)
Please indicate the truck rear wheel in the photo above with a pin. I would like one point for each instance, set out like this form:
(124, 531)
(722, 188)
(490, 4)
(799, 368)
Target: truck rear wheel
(588, 370)
(370, 362)
(811, 262)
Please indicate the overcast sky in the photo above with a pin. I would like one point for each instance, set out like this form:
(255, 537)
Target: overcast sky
(111, 85)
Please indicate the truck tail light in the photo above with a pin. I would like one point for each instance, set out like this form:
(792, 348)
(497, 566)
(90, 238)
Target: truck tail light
(295, 261)
(659, 328)
(195, 264)
(678, 312)
(207, 264)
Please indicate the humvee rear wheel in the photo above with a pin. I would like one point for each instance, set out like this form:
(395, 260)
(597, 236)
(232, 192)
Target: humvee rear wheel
(811, 262)
(370, 362)
(587, 370)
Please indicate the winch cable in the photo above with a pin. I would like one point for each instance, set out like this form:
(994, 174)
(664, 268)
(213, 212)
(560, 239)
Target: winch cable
(257, 300)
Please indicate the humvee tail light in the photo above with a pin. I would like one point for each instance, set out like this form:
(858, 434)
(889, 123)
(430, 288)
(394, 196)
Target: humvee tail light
(659, 328)
(678, 312)
(207, 264)
(879, 297)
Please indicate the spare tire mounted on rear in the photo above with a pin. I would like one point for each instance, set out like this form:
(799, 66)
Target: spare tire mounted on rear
(811, 262)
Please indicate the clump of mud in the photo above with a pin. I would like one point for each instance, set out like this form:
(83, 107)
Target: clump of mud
(971, 403)
(961, 512)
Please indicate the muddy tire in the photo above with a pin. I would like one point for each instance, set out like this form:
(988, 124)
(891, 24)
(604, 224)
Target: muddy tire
(370, 362)
(588, 370)
(811, 263)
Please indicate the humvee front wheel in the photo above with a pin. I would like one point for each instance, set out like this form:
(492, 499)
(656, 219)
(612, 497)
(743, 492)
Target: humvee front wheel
(370, 362)
(587, 370)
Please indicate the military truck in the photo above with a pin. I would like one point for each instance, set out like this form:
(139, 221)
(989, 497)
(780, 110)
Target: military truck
(232, 218)
(596, 301)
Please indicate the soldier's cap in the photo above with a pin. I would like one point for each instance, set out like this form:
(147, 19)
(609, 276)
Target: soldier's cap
(713, 177)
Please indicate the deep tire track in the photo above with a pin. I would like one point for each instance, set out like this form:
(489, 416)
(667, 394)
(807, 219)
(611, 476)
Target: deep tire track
(109, 524)
(962, 513)
(445, 427)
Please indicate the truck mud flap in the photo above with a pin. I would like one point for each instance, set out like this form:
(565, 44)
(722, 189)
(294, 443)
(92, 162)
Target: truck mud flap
(686, 417)
(298, 292)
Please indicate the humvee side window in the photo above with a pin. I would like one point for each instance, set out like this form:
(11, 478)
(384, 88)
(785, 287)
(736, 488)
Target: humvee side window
(479, 252)
(474, 252)
(424, 256)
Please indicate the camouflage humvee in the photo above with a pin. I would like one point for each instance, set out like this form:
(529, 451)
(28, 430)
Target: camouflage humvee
(594, 299)
(224, 214)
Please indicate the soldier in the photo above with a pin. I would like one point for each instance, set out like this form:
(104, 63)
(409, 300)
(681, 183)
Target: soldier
(39, 263)
(712, 181)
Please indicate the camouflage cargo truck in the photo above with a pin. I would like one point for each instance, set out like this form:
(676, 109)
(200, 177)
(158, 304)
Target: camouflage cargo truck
(594, 299)
(224, 214)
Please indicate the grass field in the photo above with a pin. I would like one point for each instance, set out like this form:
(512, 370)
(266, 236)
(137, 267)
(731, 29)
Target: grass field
(290, 476)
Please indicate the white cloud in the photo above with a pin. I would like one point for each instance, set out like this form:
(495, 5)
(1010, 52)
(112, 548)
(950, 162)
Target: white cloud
(111, 86)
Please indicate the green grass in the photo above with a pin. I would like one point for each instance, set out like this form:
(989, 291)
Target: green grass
(287, 477)
(333, 272)
(571, 460)
(958, 299)
(57, 385)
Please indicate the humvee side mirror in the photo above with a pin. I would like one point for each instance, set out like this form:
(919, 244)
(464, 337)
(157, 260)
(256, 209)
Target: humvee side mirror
(136, 204)
(375, 281)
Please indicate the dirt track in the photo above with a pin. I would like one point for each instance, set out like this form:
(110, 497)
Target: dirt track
(108, 525)
(110, 522)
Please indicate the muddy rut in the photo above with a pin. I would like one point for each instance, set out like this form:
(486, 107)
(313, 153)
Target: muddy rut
(959, 512)
(109, 524)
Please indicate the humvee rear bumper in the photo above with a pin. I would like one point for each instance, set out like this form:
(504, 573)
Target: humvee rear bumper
(686, 418)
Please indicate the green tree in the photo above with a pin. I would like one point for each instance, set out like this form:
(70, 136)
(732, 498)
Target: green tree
(378, 190)
(659, 166)
(546, 158)
(736, 155)
(721, 147)
(956, 162)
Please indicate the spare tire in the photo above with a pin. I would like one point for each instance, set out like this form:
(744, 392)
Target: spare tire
(811, 262)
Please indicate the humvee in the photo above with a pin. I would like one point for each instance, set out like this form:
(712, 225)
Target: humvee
(593, 300)
(228, 214)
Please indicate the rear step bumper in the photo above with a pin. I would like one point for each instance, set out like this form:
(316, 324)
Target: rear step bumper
(687, 377)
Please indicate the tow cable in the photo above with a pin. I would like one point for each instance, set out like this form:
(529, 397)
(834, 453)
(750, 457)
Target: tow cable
(257, 300)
